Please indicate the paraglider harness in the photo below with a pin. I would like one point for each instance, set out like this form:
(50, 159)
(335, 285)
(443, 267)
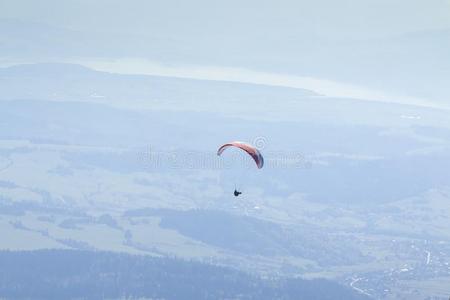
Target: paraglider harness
(236, 193)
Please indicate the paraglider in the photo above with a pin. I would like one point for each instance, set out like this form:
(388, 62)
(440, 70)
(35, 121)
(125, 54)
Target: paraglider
(249, 149)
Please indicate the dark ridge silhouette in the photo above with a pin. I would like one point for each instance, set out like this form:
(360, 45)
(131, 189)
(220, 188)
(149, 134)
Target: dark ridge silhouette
(69, 274)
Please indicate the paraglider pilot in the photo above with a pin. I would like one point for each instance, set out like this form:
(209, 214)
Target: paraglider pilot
(251, 150)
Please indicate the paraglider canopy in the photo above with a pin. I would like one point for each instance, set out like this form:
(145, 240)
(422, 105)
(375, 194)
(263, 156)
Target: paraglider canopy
(251, 150)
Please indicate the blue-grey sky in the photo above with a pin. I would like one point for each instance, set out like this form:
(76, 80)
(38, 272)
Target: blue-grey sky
(344, 18)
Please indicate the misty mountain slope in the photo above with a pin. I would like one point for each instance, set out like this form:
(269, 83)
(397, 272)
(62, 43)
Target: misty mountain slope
(68, 82)
(92, 275)
(64, 82)
(250, 236)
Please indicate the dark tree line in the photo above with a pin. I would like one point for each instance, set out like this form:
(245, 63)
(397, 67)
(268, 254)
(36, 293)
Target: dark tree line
(69, 274)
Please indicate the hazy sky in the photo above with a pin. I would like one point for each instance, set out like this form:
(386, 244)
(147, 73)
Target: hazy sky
(355, 18)
(357, 42)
